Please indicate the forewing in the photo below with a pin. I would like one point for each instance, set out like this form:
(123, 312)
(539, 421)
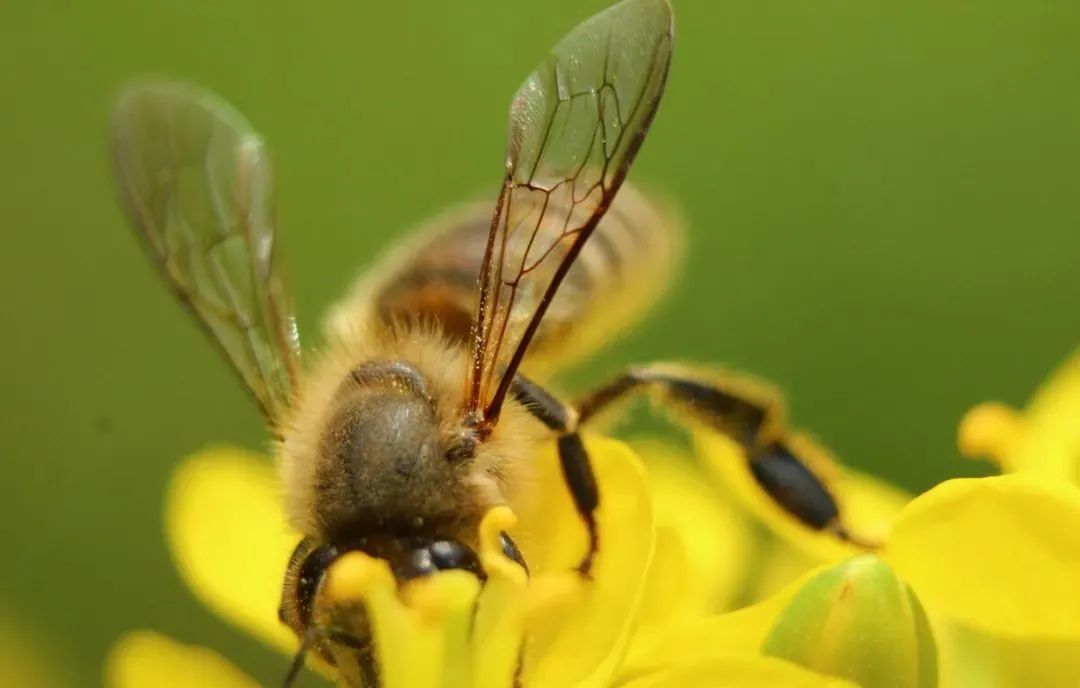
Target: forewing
(575, 126)
(195, 181)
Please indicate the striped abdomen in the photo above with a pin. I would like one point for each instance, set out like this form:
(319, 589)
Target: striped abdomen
(621, 271)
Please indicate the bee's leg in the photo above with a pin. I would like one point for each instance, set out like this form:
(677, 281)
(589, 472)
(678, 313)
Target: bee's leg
(746, 410)
(573, 458)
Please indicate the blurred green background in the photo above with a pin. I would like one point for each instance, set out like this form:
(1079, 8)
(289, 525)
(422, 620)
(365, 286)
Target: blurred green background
(882, 206)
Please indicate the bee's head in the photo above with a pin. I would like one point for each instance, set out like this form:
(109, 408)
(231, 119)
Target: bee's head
(384, 463)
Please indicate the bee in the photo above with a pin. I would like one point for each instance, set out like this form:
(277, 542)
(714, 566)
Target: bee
(417, 416)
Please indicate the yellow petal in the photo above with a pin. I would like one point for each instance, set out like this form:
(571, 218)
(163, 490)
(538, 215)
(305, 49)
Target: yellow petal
(229, 540)
(703, 545)
(738, 672)
(1001, 554)
(867, 505)
(144, 658)
(587, 643)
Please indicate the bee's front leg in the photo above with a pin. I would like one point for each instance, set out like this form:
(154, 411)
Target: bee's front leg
(573, 457)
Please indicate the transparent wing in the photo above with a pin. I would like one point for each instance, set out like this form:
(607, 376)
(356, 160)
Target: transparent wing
(575, 126)
(195, 181)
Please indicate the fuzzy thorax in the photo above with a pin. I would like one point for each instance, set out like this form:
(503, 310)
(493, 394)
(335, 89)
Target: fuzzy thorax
(376, 441)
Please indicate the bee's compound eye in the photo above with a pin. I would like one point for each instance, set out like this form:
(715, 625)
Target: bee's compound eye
(441, 555)
(451, 555)
(306, 568)
(511, 551)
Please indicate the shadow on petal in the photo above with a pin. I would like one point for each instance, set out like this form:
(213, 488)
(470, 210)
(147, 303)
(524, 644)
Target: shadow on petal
(738, 672)
(735, 634)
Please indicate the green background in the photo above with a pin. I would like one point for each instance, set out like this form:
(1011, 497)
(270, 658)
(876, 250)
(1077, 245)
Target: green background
(882, 207)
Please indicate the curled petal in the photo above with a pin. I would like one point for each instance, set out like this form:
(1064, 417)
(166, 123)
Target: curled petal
(510, 602)
(421, 636)
(144, 658)
(498, 630)
(227, 535)
(1001, 554)
(587, 642)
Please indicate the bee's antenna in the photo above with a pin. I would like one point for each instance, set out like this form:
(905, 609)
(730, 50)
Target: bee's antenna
(301, 654)
(313, 634)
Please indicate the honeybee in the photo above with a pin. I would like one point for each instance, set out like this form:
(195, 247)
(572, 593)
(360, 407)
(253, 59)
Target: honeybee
(417, 416)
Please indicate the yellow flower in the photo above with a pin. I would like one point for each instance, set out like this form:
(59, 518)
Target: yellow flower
(230, 545)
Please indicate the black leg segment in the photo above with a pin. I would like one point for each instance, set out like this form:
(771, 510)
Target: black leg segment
(573, 458)
(542, 404)
(580, 480)
(749, 412)
(793, 486)
(743, 409)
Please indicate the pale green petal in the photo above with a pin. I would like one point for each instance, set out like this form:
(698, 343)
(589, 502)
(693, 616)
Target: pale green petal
(859, 621)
